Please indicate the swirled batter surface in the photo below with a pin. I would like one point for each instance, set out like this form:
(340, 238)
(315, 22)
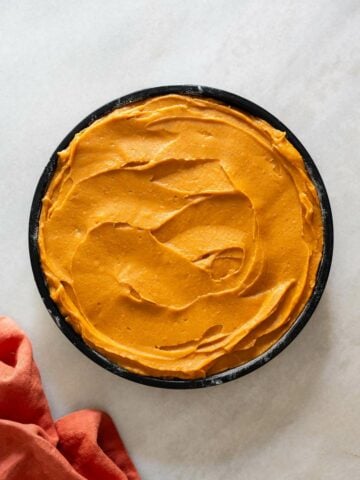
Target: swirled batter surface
(180, 237)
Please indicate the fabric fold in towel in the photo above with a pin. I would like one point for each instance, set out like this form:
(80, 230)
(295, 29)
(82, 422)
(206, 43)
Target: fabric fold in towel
(82, 445)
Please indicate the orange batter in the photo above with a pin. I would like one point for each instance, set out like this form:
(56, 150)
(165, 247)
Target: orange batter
(180, 237)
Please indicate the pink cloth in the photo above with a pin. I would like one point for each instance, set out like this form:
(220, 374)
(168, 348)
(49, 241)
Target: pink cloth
(81, 445)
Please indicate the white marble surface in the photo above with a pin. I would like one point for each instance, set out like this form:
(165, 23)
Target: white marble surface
(299, 416)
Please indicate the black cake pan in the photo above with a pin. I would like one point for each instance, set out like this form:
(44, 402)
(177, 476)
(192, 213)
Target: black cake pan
(233, 101)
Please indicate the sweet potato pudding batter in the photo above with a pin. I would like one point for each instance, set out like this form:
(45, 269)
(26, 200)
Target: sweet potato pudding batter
(180, 237)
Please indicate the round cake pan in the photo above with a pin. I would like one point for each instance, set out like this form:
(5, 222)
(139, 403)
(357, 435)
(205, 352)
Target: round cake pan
(231, 100)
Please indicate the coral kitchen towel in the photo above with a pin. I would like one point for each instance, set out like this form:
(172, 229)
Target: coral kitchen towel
(82, 445)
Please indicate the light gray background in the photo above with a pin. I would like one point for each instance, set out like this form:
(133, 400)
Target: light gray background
(299, 416)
